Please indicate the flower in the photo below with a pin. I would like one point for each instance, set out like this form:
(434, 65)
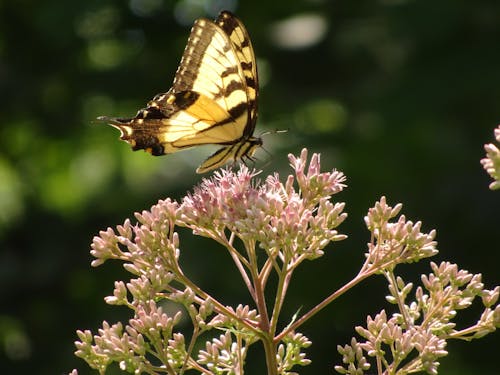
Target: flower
(491, 163)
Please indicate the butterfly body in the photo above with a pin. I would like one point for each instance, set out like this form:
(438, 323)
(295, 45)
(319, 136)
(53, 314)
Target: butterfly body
(213, 99)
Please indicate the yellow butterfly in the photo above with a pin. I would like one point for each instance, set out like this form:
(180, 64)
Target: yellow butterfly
(213, 99)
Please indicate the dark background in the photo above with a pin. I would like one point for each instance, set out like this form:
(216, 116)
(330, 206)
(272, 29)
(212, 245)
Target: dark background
(399, 95)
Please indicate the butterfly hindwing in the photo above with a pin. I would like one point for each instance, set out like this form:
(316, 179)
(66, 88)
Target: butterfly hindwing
(236, 151)
(213, 99)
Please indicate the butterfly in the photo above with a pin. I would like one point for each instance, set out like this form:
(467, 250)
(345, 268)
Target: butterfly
(213, 99)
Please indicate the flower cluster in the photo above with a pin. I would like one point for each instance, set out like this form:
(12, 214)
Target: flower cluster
(415, 337)
(395, 242)
(282, 223)
(491, 163)
(269, 228)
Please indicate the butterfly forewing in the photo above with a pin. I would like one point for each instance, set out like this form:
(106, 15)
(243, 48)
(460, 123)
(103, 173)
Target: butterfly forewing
(240, 41)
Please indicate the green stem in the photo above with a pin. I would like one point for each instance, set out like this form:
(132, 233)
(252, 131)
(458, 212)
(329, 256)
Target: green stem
(270, 352)
(259, 296)
(192, 342)
(360, 277)
(239, 265)
(404, 312)
(283, 282)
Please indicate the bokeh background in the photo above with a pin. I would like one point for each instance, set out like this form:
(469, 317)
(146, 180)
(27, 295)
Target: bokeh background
(400, 95)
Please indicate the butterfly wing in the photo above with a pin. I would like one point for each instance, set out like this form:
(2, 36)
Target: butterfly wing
(246, 110)
(213, 99)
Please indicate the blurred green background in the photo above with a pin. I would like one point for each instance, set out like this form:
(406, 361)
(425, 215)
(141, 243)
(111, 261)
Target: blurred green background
(400, 95)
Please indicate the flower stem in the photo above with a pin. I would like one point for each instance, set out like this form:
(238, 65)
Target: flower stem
(270, 351)
(360, 277)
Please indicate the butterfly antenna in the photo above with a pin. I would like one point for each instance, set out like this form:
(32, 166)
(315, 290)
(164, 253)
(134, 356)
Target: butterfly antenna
(101, 119)
(275, 131)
